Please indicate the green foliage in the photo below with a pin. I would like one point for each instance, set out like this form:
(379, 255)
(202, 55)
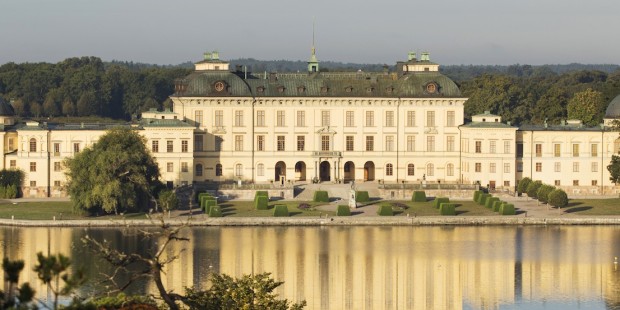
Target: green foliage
(419, 196)
(523, 184)
(482, 199)
(587, 106)
(247, 292)
(507, 209)
(385, 210)
(204, 199)
(280, 211)
(343, 211)
(209, 204)
(11, 177)
(113, 175)
(496, 205)
(51, 269)
(320, 196)
(543, 192)
(532, 189)
(362, 196)
(215, 211)
(261, 193)
(200, 195)
(614, 169)
(477, 195)
(168, 200)
(121, 301)
(439, 200)
(15, 297)
(447, 209)
(490, 201)
(558, 198)
(8, 192)
(261, 203)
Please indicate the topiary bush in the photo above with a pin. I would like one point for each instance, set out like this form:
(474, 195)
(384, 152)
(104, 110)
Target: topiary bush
(490, 201)
(447, 209)
(215, 211)
(280, 210)
(202, 194)
(532, 189)
(482, 200)
(543, 193)
(496, 205)
(320, 196)
(343, 211)
(558, 198)
(439, 200)
(418, 196)
(208, 205)
(477, 195)
(261, 203)
(507, 209)
(523, 184)
(204, 199)
(362, 196)
(385, 210)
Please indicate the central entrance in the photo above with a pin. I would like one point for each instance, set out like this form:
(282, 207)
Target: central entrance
(349, 171)
(369, 171)
(324, 170)
(280, 171)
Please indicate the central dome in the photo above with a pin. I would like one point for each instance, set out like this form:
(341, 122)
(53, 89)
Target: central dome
(613, 109)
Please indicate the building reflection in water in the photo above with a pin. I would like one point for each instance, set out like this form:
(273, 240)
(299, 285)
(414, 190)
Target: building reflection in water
(372, 267)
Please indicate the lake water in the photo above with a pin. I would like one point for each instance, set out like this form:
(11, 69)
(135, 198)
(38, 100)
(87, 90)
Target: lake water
(556, 267)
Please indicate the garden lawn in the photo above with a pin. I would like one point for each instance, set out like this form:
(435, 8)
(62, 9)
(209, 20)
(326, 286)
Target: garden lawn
(593, 206)
(465, 208)
(240, 208)
(62, 210)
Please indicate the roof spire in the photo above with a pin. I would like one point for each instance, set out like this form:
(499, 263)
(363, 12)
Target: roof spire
(313, 63)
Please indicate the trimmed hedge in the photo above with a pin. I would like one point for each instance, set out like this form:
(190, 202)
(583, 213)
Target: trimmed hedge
(496, 205)
(532, 189)
(507, 209)
(362, 196)
(385, 210)
(543, 193)
(209, 204)
(261, 203)
(418, 196)
(523, 184)
(477, 195)
(280, 211)
(439, 200)
(215, 211)
(558, 198)
(447, 209)
(203, 194)
(320, 196)
(482, 199)
(261, 193)
(204, 199)
(490, 201)
(343, 211)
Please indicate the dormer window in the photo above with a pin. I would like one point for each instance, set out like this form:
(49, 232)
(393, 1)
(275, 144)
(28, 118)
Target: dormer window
(389, 90)
(301, 89)
(219, 86)
(348, 89)
(280, 89)
(260, 89)
(324, 89)
(431, 88)
(369, 89)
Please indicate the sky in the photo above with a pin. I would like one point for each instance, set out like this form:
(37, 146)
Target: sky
(488, 32)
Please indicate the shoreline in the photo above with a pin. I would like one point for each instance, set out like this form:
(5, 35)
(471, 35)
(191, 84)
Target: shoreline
(324, 221)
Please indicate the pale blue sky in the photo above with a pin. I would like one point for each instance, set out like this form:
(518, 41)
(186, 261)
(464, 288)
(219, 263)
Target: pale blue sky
(453, 31)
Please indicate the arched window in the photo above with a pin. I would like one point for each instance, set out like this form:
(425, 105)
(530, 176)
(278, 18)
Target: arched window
(411, 169)
(239, 170)
(450, 170)
(33, 145)
(260, 170)
(199, 170)
(218, 170)
(389, 169)
(430, 170)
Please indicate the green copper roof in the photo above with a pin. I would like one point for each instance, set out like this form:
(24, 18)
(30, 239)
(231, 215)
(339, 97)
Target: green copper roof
(163, 123)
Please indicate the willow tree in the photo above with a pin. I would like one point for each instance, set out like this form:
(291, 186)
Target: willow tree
(115, 174)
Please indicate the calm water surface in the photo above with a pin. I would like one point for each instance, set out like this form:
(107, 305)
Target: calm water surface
(374, 267)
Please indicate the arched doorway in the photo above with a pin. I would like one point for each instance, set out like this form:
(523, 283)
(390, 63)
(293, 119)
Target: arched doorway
(369, 171)
(324, 170)
(280, 175)
(300, 171)
(349, 171)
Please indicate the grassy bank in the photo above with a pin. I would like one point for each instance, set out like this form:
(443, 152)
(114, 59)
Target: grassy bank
(593, 206)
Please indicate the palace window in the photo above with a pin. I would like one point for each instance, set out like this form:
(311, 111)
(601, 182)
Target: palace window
(260, 170)
(594, 182)
(56, 148)
(219, 118)
(184, 167)
(198, 143)
(538, 148)
(410, 118)
(430, 118)
(557, 166)
(538, 167)
(238, 170)
(325, 143)
(218, 170)
(324, 118)
(260, 118)
(33, 145)
(450, 143)
(301, 143)
(594, 149)
(349, 143)
(238, 118)
(260, 143)
(350, 119)
(430, 143)
(450, 122)
(492, 167)
(478, 167)
(450, 170)
(184, 146)
(492, 146)
(576, 166)
(556, 182)
(301, 118)
(389, 169)
(430, 170)
(506, 147)
(506, 167)
(370, 143)
(575, 182)
(198, 117)
(478, 146)
(575, 150)
(410, 169)
(410, 143)
(280, 118)
(199, 170)
(169, 146)
(170, 167)
(370, 118)
(557, 150)
(219, 140)
(13, 164)
(238, 143)
(594, 166)
(389, 143)
(76, 147)
(280, 143)
(57, 166)
(389, 118)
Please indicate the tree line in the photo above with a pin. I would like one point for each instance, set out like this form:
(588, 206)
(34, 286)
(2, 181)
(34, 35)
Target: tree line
(87, 86)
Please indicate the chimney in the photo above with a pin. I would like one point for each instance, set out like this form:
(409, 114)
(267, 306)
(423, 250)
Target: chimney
(207, 56)
(411, 56)
(425, 57)
(215, 55)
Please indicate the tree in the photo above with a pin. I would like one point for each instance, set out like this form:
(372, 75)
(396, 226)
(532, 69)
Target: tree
(522, 187)
(52, 269)
(543, 193)
(50, 107)
(87, 104)
(558, 198)
(532, 189)
(68, 107)
(36, 109)
(587, 106)
(614, 169)
(247, 292)
(15, 297)
(19, 107)
(114, 175)
(168, 200)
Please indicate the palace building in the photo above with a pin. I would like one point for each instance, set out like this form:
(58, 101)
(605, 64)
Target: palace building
(400, 126)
